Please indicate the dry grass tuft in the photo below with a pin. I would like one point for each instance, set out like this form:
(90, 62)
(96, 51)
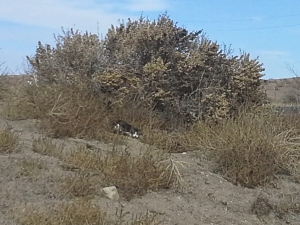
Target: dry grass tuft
(172, 171)
(8, 141)
(261, 206)
(81, 212)
(76, 213)
(150, 218)
(288, 206)
(132, 175)
(250, 150)
(30, 168)
(169, 142)
(77, 185)
(45, 146)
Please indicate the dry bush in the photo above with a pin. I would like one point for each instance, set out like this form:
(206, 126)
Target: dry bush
(75, 58)
(182, 75)
(45, 146)
(252, 149)
(76, 113)
(64, 111)
(72, 111)
(137, 114)
(132, 175)
(169, 142)
(20, 102)
(8, 141)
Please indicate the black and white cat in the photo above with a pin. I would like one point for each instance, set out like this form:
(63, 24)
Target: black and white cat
(122, 127)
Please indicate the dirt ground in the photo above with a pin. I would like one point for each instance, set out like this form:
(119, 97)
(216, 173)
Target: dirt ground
(206, 198)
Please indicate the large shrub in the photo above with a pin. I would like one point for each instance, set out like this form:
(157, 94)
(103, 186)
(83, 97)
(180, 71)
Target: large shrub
(181, 74)
(75, 58)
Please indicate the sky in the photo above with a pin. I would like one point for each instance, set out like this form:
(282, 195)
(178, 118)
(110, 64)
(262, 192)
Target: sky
(268, 29)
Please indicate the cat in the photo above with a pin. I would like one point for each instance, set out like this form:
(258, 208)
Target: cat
(122, 127)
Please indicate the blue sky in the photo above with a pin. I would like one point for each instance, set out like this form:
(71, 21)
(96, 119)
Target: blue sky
(269, 29)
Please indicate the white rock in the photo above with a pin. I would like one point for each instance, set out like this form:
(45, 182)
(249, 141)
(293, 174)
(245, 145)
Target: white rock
(111, 193)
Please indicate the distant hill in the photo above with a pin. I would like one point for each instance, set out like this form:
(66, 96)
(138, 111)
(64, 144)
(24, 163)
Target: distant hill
(278, 89)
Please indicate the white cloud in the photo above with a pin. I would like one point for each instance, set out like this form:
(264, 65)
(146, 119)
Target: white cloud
(25, 22)
(80, 14)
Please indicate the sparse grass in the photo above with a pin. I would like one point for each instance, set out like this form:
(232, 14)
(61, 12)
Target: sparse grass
(288, 206)
(261, 206)
(77, 185)
(252, 149)
(285, 208)
(80, 212)
(150, 218)
(131, 175)
(29, 168)
(164, 140)
(45, 146)
(8, 141)
(76, 213)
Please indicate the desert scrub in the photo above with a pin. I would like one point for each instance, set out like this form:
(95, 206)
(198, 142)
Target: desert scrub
(132, 175)
(45, 146)
(30, 167)
(77, 185)
(164, 140)
(81, 212)
(76, 213)
(252, 149)
(186, 78)
(20, 101)
(8, 140)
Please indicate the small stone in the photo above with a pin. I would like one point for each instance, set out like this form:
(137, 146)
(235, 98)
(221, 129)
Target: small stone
(111, 193)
